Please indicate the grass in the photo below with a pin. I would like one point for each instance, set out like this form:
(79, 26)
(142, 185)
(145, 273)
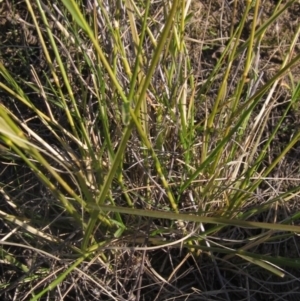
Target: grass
(141, 154)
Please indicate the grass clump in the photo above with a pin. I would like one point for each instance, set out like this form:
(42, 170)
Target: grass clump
(143, 157)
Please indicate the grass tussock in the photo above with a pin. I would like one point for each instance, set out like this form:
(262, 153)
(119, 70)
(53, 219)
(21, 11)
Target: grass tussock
(149, 150)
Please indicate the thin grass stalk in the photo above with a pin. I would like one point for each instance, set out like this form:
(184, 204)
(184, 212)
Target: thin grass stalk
(79, 118)
(249, 56)
(261, 30)
(44, 118)
(267, 144)
(251, 103)
(238, 198)
(141, 92)
(7, 257)
(196, 218)
(143, 114)
(11, 138)
(49, 61)
(69, 207)
(278, 260)
(222, 93)
(18, 93)
(137, 79)
(59, 279)
(73, 8)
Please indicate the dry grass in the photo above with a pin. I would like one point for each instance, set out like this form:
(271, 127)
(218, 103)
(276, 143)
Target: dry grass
(54, 246)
